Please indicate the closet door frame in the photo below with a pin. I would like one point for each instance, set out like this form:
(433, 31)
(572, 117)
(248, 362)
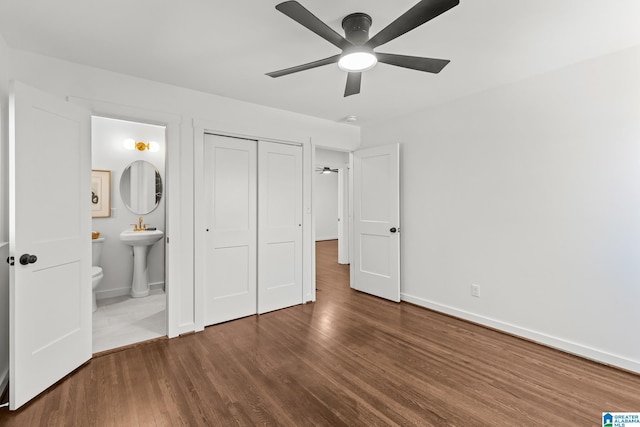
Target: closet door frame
(308, 253)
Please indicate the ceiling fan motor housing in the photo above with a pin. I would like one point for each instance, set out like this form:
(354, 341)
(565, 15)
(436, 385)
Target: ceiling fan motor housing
(356, 28)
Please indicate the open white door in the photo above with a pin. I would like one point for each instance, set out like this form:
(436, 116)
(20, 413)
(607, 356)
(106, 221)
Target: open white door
(230, 220)
(376, 222)
(279, 226)
(50, 225)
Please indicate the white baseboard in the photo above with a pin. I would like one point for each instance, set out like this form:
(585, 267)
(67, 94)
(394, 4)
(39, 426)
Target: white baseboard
(156, 286)
(541, 338)
(119, 292)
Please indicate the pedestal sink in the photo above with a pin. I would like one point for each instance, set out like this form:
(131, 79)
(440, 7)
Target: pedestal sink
(141, 241)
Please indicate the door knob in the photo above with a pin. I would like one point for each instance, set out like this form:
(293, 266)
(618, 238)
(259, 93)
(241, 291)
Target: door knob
(393, 229)
(26, 259)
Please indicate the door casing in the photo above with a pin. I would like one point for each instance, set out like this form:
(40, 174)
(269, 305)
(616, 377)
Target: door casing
(177, 245)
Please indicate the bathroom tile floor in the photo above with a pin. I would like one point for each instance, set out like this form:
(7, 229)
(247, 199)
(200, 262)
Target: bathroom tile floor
(123, 320)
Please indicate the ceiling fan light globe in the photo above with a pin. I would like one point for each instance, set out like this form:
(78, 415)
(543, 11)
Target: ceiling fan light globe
(357, 61)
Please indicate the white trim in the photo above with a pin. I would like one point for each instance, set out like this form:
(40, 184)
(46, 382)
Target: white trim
(199, 244)
(110, 293)
(325, 238)
(120, 292)
(174, 231)
(247, 137)
(350, 213)
(344, 196)
(312, 221)
(155, 286)
(308, 243)
(4, 161)
(538, 337)
(186, 328)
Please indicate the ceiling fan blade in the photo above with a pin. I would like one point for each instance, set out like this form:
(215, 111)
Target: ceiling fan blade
(298, 13)
(353, 84)
(310, 65)
(430, 65)
(414, 17)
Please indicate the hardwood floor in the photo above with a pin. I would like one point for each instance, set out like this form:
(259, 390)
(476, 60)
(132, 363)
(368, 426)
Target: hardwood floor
(347, 360)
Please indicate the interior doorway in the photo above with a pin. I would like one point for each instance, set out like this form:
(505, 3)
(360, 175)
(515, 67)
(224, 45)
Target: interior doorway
(331, 206)
(128, 173)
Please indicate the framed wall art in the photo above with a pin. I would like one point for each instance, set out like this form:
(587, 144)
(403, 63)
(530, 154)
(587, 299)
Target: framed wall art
(100, 193)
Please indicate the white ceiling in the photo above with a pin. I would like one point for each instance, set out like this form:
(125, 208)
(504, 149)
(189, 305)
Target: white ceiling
(226, 48)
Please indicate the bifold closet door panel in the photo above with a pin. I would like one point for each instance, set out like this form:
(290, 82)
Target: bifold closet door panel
(230, 174)
(279, 226)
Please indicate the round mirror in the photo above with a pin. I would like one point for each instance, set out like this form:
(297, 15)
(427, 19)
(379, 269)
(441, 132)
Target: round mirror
(141, 187)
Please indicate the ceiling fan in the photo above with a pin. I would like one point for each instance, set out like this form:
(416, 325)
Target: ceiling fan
(326, 170)
(358, 49)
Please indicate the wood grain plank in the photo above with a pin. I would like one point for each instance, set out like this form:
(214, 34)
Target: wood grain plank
(350, 359)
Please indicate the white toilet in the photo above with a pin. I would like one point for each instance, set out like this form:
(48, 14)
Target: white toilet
(96, 270)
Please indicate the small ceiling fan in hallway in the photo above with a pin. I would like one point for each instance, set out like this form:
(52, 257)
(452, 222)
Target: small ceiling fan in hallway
(326, 170)
(358, 49)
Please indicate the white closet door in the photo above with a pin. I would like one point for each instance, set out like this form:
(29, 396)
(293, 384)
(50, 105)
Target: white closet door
(279, 226)
(230, 226)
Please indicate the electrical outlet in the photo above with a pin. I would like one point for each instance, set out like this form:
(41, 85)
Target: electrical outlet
(475, 290)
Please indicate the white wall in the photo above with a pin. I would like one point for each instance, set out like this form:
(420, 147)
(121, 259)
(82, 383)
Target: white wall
(108, 153)
(325, 206)
(63, 78)
(333, 158)
(4, 140)
(531, 191)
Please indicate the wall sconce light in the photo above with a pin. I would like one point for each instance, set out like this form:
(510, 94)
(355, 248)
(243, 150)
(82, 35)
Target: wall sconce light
(131, 144)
